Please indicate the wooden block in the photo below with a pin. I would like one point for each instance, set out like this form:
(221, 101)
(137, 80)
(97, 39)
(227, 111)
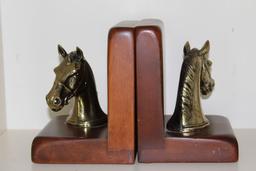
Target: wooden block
(60, 143)
(217, 143)
(121, 85)
(149, 73)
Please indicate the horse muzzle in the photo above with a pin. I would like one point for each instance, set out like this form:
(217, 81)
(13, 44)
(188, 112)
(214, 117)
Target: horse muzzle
(54, 102)
(207, 88)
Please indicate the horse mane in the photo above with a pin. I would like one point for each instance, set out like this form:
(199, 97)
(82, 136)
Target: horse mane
(186, 86)
(188, 113)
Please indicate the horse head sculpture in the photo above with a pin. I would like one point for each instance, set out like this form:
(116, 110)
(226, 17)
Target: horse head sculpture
(195, 80)
(74, 78)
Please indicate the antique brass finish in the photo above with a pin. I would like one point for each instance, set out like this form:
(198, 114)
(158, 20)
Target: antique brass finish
(74, 78)
(195, 80)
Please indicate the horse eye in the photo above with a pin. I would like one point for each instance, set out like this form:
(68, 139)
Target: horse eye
(209, 63)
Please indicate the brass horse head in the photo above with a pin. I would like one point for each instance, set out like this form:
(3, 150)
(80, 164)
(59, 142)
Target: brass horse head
(74, 78)
(195, 81)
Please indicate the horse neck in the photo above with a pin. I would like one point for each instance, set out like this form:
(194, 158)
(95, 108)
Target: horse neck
(188, 98)
(86, 100)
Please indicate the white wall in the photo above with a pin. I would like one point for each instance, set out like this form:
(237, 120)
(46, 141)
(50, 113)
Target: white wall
(32, 28)
(2, 96)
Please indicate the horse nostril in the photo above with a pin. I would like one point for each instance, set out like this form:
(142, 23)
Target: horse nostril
(56, 101)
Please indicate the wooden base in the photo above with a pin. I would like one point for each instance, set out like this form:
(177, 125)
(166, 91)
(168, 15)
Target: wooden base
(61, 143)
(215, 143)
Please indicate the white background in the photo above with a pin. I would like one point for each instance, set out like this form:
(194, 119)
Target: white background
(31, 30)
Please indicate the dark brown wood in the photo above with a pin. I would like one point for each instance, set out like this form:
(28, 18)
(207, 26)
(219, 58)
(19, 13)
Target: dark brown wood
(60, 143)
(121, 87)
(149, 73)
(216, 143)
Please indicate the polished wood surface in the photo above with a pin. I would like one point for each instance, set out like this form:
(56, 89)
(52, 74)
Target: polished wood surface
(60, 143)
(149, 74)
(216, 143)
(121, 87)
(14, 156)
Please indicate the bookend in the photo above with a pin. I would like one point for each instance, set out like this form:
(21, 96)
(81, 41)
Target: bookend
(215, 142)
(88, 135)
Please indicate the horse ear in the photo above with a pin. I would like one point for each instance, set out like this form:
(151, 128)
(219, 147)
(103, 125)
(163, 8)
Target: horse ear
(62, 51)
(79, 53)
(206, 48)
(186, 48)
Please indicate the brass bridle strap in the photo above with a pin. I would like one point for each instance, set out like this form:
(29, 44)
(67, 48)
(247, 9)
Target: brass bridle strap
(70, 91)
(63, 85)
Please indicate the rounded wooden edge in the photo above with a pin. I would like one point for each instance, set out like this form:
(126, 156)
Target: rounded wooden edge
(44, 151)
(226, 143)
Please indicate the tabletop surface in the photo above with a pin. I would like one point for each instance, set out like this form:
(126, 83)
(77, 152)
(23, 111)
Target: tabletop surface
(15, 152)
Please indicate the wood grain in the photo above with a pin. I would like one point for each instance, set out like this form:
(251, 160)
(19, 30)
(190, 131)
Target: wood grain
(121, 87)
(216, 143)
(60, 143)
(149, 82)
